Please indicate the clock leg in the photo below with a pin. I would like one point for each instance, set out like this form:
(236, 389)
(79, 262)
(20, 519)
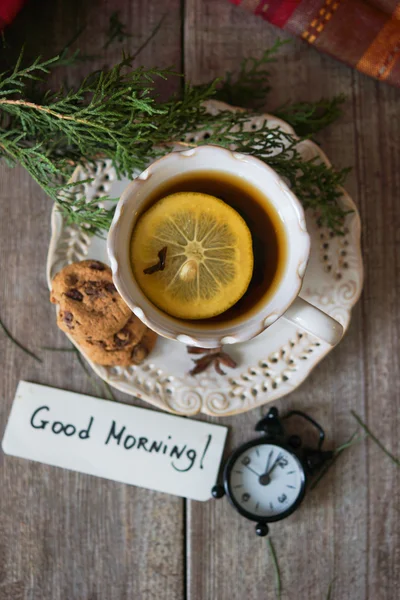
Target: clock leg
(218, 491)
(262, 529)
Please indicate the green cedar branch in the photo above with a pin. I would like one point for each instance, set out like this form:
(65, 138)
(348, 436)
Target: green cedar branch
(307, 118)
(115, 113)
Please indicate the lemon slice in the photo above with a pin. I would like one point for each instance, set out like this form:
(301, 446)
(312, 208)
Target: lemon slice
(209, 256)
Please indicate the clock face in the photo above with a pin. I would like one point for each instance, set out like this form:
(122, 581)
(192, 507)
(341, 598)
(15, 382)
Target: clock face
(265, 481)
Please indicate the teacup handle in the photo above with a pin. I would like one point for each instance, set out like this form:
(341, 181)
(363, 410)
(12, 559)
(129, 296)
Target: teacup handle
(314, 321)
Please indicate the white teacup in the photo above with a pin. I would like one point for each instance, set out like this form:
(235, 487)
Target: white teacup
(284, 303)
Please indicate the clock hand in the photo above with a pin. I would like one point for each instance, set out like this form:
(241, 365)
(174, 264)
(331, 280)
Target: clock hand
(268, 461)
(265, 478)
(252, 470)
(274, 465)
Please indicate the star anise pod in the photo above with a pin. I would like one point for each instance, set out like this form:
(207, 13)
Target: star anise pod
(212, 356)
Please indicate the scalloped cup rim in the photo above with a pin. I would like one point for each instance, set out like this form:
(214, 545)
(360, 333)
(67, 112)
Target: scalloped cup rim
(204, 158)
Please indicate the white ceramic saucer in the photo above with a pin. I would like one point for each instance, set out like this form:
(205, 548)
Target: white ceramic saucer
(269, 366)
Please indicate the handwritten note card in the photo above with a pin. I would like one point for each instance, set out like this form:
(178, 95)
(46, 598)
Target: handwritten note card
(115, 441)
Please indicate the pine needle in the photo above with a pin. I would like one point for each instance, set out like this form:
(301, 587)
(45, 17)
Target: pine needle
(375, 439)
(330, 589)
(278, 584)
(68, 57)
(93, 378)
(354, 439)
(117, 31)
(108, 391)
(150, 37)
(50, 348)
(18, 344)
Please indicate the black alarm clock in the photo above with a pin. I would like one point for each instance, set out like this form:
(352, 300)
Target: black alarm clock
(266, 478)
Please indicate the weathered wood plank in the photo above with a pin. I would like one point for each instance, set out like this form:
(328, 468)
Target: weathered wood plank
(65, 535)
(346, 528)
(69, 535)
(375, 113)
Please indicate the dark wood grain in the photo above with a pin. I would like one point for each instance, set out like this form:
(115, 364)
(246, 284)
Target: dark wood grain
(64, 535)
(348, 527)
(70, 536)
(377, 160)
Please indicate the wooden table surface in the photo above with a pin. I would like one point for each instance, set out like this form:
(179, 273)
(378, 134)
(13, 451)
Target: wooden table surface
(66, 536)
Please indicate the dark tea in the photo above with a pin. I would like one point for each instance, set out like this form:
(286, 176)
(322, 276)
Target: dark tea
(263, 221)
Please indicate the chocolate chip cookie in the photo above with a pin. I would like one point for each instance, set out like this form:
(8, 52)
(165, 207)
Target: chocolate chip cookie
(129, 346)
(90, 305)
(141, 351)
